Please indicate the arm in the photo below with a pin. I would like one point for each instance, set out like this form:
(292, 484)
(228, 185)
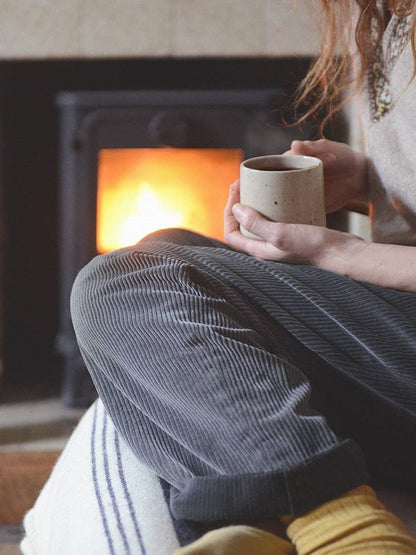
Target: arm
(386, 265)
(346, 254)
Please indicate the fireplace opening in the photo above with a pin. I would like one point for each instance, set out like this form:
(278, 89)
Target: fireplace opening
(143, 190)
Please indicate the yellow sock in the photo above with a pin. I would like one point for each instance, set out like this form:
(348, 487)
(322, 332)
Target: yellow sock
(354, 523)
(238, 540)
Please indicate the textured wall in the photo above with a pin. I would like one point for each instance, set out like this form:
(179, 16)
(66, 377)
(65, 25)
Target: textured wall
(38, 29)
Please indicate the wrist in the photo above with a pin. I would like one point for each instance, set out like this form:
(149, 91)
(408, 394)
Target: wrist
(343, 255)
(392, 266)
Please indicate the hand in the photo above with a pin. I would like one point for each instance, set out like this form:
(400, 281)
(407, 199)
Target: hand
(283, 242)
(344, 170)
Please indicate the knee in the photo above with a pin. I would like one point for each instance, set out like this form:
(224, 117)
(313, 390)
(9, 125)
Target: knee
(85, 294)
(117, 281)
(109, 285)
(96, 288)
(175, 236)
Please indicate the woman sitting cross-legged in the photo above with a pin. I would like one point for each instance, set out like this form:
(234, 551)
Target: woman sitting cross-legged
(269, 381)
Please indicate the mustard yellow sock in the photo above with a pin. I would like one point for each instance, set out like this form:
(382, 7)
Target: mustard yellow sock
(238, 540)
(355, 523)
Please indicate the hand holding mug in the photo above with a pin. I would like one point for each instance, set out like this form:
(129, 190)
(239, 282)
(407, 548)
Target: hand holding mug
(284, 188)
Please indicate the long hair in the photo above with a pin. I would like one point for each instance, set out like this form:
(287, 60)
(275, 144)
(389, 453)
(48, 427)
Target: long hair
(344, 21)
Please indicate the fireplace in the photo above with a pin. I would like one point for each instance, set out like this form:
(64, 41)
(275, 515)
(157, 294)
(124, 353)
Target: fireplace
(108, 46)
(132, 162)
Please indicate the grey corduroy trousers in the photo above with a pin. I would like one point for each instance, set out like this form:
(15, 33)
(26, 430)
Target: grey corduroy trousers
(254, 388)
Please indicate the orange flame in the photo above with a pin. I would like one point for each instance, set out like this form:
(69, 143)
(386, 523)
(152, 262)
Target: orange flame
(142, 190)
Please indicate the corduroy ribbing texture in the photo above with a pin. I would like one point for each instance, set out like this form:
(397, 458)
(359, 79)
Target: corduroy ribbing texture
(204, 359)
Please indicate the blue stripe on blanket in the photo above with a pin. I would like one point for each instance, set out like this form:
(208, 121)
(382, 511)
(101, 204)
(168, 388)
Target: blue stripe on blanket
(127, 494)
(110, 487)
(96, 485)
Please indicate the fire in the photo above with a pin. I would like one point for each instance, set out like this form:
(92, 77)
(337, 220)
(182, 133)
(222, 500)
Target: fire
(149, 215)
(142, 190)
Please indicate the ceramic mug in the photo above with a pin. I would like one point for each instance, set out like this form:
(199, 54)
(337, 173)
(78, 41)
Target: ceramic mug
(284, 188)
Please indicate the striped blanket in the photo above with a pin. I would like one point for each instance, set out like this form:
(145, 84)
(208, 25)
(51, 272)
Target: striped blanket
(100, 500)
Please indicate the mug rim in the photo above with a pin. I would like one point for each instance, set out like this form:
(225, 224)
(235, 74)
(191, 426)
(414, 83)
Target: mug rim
(245, 163)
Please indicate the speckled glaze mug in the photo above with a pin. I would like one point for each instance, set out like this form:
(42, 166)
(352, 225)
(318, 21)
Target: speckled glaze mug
(284, 188)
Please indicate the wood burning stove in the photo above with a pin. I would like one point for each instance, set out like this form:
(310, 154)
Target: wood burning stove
(128, 151)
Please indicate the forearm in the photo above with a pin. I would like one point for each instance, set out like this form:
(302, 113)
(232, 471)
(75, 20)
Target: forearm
(391, 266)
(385, 265)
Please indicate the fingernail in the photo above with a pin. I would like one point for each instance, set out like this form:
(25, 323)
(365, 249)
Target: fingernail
(237, 210)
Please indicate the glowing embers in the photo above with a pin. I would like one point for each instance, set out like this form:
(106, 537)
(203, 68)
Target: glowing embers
(142, 190)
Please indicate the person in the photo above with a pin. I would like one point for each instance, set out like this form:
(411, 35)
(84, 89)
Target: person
(272, 383)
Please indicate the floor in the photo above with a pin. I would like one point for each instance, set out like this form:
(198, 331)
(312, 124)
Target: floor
(28, 428)
(36, 425)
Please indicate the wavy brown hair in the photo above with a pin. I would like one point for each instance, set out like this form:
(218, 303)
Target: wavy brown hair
(329, 75)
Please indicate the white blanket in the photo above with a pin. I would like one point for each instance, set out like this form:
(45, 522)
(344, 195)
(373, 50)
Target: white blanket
(99, 499)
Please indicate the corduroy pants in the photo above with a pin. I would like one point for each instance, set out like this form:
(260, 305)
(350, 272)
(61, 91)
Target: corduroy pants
(254, 388)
